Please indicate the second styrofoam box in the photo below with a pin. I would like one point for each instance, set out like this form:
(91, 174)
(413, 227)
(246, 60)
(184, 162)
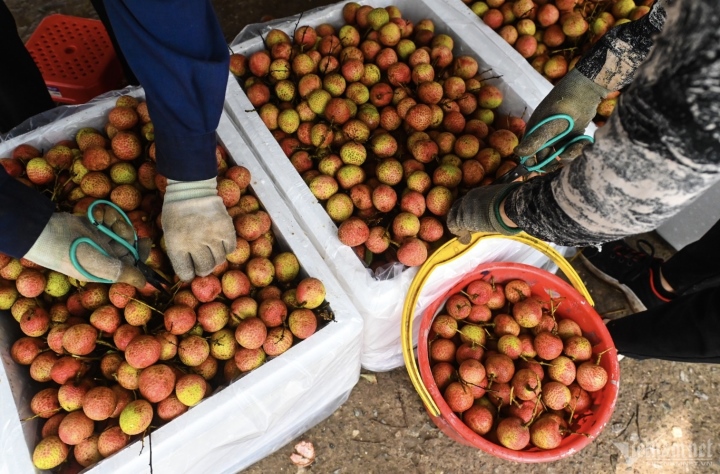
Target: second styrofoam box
(379, 301)
(246, 420)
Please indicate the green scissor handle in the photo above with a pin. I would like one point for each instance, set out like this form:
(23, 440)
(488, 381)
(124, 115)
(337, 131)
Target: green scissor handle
(86, 240)
(549, 159)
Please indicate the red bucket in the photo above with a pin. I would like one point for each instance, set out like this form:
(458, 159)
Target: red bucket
(574, 307)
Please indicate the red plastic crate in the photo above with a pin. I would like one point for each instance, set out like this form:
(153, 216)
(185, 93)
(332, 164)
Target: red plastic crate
(75, 57)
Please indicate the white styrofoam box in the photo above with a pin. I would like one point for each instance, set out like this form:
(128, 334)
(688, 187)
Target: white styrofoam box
(380, 301)
(691, 223)
(246, 420)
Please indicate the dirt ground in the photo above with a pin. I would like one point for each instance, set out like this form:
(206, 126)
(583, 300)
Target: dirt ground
(666, 419)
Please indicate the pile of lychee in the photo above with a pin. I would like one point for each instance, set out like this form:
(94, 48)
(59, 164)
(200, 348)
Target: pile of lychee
(509, 369)
(554, 34)
(115, 362)
(385, 124)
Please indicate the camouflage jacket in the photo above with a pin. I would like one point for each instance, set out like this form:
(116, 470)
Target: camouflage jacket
(658, 151)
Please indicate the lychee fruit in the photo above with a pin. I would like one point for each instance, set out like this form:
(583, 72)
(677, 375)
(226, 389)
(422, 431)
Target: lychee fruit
(249, 359)
(555, 395)
(442, 350)
(438, 200)
(512, 433)
(567, 328)
(526, 384)
(580, 400)
(143, 351)
(156, 382)
(458, 397)
(516, 290)
(170, 408)
(75, 427)
(547, 431)
(547, 345)
(136, 417)
(562, 369)
(302, 323)
(99, 403)
(126, 145)
(591, 376)
(112, 440)
(279, 340)
(193, 350)
(49, 453)
(577, 348)
(479, 419)
(310, 293)
(499, 367)
(412, 252)
(190, 389)
(79, 339)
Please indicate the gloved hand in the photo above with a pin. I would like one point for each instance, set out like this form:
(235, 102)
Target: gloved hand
(199, 233)
(52, 248)
(575, 95)
(478, 211)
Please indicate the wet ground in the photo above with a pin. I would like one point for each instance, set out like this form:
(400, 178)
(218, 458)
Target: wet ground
(383, 427)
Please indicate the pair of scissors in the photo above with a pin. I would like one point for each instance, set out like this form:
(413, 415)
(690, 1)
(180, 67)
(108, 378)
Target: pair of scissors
(522, 169)
(154, 278)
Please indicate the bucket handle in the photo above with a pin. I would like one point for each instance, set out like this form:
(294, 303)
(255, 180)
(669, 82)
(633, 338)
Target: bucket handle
(450, 251)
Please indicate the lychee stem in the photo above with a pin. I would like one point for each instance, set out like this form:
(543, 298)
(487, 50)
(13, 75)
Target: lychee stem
(553, 307)
(474, 295)
(83, 357)
(145, 304)
(573, 48)
(572, 409)
(534, 413)
(107, 344)
(473, 344)
(542, 403)
(601, 354)
(42, 413)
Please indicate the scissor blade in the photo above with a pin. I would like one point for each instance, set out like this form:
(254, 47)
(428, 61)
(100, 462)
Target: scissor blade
(512, 175)
(154, 278)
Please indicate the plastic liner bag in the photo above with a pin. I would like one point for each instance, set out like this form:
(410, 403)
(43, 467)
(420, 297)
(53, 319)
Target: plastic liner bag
(240, 423)
(379, 298)
(60, 112)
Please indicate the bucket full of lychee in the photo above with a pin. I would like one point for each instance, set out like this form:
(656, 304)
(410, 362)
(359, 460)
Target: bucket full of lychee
(511, 359)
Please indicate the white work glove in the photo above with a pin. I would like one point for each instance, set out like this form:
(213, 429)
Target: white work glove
(52, 248)
(199, 233)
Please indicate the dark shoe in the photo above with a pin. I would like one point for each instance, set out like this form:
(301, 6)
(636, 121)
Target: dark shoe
(634, 272)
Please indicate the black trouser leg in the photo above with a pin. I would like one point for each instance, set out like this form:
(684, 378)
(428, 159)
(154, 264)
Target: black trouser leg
(102, 14)
(22, 89)
(687, 330)
(695, 266)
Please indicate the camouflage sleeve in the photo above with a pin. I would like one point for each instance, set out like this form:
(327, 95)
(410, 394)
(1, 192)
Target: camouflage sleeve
(657, 153)
(613, 60)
